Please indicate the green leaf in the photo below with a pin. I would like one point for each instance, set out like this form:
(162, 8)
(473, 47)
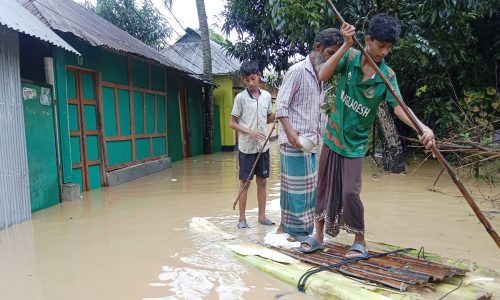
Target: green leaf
(491, 91)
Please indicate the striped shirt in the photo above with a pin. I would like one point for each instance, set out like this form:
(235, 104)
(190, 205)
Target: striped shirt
(299, 99)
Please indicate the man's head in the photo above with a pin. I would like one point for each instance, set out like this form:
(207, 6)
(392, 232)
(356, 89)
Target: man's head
(382, 35)
(326, 43)
(250, 75)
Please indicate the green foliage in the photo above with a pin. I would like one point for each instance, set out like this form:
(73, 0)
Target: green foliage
(216, 37)
(271, 32)
(219, 39)
(143, 22)
(448, 49)
(297, 20)
(331, 91)
(482, 106)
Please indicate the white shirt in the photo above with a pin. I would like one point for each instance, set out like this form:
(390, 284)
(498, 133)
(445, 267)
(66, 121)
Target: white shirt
(252, 113)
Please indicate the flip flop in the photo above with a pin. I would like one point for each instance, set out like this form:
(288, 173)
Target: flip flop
(313, 244)
(242, 224)
(358, 248)
(297, 238)
(267, 222)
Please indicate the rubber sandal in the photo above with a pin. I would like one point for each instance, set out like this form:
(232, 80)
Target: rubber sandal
(313, 245)
(267, 222)
(242, 224)
(358, 248)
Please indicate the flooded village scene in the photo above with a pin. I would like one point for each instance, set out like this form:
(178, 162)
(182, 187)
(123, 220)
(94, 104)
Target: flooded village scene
(249, 149)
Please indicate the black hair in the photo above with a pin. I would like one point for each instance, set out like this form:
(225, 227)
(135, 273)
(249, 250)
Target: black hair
(329, 37)
(384, 28)
(249, 68)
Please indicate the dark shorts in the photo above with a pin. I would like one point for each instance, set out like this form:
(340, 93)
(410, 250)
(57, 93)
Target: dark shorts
(246, 163)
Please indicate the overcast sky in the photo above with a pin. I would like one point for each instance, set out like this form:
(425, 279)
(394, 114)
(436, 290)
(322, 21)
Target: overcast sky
(186, 14)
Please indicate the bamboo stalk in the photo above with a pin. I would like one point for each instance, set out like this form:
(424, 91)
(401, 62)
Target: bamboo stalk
(323, 285)
(491, 231)
(250, 175)
(329, 285)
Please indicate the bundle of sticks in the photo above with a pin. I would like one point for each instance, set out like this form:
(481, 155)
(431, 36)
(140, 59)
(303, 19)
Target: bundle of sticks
(460, 146)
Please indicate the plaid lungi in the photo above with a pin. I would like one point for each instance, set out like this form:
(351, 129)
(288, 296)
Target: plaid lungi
(298, 190)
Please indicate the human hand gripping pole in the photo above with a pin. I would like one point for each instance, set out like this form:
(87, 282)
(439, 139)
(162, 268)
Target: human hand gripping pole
(252, 171)
(420, 132)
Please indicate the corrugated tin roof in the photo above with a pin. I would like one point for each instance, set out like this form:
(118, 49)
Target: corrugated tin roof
(68, 16)
(14, 16)
(187, 51)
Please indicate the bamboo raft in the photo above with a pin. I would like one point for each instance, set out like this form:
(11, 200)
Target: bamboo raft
(396, 271)
(398, 277)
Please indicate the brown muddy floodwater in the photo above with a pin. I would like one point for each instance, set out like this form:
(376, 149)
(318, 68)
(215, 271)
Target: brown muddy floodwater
(133, 241)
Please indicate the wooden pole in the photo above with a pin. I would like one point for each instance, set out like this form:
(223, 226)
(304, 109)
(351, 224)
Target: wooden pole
(250, 175)
(433, 148)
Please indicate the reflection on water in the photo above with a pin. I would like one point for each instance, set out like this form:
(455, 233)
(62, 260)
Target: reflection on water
(134, 241)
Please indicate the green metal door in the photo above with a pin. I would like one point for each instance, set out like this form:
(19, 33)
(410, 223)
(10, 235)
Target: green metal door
(40, 145)
(84, 130)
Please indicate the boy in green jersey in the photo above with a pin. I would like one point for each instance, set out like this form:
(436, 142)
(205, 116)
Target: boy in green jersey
(359, 94)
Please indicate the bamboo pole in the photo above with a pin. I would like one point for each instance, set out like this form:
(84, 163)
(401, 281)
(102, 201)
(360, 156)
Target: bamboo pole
(250, 175)
(491, 231)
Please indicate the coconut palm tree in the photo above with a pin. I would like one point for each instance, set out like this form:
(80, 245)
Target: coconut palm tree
(207, 74)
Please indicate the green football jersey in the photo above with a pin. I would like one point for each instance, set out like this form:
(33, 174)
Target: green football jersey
(356, 104)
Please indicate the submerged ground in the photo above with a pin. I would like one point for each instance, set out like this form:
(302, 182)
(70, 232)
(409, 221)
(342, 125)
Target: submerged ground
(133, 241)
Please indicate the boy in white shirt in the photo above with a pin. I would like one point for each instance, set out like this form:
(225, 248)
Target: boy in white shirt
(252, 111)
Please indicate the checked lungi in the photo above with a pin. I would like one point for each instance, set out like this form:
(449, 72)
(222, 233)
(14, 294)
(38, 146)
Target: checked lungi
(298, 190)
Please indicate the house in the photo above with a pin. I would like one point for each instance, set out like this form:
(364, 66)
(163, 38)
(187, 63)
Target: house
(224, 68)
(85, 105)
(26, 115)
(114, 101)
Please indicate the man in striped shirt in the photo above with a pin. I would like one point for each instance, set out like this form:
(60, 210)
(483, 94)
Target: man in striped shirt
(298, 107)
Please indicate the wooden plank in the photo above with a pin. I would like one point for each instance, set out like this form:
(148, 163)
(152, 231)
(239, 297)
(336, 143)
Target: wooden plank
(134, 89)
(141, 136)
(379, 276)
(132, 113)
(89, 102)
(124, 165)
(118, 138)
(166, 110)
(94, 162)
(435, 270)
(103, 150)
(83, 141)
(396, 270)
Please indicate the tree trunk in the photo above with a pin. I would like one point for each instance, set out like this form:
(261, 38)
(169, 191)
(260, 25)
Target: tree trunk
(393, 155)
(207, 77)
